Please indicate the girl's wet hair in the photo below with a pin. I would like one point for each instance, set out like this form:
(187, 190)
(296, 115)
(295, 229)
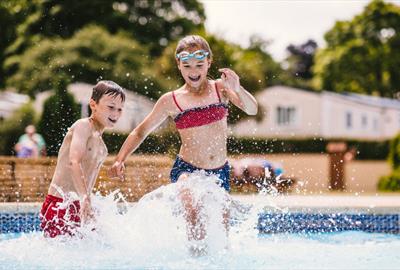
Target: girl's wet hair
(193, 42)
(107, 88)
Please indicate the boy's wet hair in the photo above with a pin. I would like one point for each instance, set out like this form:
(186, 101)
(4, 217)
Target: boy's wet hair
(107, 88)
(193, 42)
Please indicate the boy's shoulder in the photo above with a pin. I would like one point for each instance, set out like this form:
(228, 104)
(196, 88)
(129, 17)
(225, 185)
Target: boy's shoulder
(83, 125)
(81, 122)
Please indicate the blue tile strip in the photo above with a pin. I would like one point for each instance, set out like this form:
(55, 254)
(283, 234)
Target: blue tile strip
(333, 222)
(19, 222)
(267, 222)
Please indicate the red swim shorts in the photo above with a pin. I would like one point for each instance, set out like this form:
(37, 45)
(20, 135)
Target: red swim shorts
(57, 218)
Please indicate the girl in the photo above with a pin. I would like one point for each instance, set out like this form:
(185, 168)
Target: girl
(199, 109)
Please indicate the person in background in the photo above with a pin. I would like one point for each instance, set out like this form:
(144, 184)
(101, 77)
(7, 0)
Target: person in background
(30, 144)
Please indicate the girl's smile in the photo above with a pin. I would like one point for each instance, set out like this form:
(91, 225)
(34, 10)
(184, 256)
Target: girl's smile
(194, 78)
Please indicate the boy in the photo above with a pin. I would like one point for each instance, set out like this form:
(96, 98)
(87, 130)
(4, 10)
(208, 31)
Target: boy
(79, 160)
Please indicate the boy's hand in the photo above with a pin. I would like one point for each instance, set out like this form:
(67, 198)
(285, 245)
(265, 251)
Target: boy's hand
(116, 170)
(86, 210)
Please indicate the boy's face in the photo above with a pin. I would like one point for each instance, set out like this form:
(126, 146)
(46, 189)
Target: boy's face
(194, 71)
(108, 110)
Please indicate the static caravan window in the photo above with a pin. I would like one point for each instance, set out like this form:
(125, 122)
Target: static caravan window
(375, 124)
(364, 121)
(285, 116)
(349, 120)
(399, 120)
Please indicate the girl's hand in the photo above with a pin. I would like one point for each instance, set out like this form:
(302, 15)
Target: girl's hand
(230, 79)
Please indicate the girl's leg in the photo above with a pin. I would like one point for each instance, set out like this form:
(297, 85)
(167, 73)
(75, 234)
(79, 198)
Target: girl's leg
(195, 227)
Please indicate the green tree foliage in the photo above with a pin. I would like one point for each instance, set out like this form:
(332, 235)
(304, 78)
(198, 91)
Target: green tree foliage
(12, 128)
(301, 59)
(362, 55)
(91, 54)
(59, 112)
(154, 23)
(392, 182)
(298, 65)
(394, 153)
(11, 15)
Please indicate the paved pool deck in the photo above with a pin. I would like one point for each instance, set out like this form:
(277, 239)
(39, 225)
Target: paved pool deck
(325, 201)
(294, 202)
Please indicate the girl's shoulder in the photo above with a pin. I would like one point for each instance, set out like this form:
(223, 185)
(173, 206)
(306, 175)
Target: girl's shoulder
(166, 97)
(178, 91)
(171, 95)
(167, 100)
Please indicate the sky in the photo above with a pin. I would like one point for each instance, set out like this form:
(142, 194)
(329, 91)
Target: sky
(283, 22)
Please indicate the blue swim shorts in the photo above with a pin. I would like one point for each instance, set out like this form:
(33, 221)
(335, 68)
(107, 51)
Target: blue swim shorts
(181, 166)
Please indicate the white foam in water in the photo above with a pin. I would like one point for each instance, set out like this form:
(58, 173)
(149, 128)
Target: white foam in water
(152, 235)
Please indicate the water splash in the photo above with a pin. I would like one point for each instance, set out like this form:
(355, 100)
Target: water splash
(152, 234)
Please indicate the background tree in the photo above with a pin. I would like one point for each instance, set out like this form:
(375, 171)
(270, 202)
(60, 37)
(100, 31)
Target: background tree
(391, 182)
(153, 23)
(362, 55)
(91, 54)
(60, 111)
(11, 15)
(301, 59)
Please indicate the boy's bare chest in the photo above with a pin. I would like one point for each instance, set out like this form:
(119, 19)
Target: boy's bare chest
(96, 150)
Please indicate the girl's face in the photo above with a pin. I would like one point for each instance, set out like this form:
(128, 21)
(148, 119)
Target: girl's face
(194, 70)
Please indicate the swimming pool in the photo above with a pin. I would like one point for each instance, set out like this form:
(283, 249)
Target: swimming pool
(345, 250)
(151, 235)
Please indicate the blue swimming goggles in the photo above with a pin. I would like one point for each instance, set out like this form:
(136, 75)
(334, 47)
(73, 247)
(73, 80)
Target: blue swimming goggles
(199, 55)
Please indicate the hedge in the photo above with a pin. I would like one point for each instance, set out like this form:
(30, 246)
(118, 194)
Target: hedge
(169, 143)
(392, 182)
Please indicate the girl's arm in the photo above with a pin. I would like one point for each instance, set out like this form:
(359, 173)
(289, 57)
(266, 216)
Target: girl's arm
(236, 93)
(137, 136)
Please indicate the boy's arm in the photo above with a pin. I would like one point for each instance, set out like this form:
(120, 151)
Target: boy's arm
(236, 93)
(78, 148)
(137, 136)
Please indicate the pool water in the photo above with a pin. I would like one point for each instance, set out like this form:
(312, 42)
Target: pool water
(345, 250)
(152, 235)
